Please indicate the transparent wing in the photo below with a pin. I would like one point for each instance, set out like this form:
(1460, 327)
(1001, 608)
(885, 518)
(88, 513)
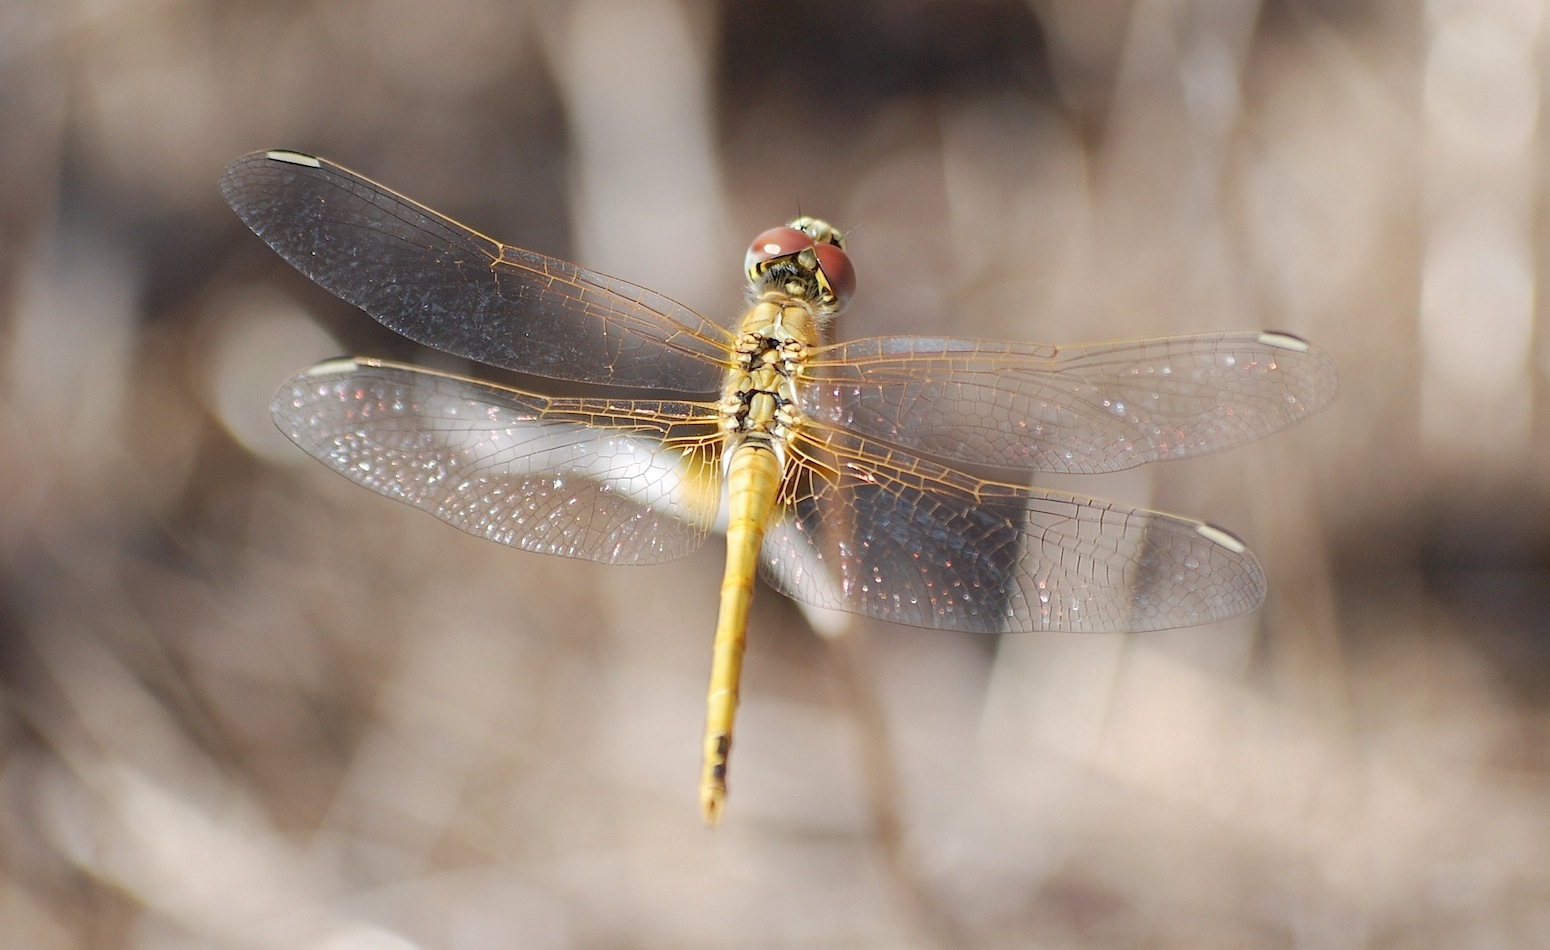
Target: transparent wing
(1078, 409)
(620, 481)
(441, 284)
(889, 536)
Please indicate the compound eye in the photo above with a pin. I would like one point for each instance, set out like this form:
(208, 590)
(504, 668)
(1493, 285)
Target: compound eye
(776, 242)
(837, 273)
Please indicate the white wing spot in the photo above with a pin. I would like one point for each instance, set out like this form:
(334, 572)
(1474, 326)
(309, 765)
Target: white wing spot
(337, 367)
(1284, 341)
(1217, 536)
(294, 158)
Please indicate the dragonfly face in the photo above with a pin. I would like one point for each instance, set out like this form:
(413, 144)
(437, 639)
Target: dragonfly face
(804, 259)
(889, 476)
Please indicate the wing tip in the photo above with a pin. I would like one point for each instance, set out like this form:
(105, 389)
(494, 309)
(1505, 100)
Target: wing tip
(1319, 378)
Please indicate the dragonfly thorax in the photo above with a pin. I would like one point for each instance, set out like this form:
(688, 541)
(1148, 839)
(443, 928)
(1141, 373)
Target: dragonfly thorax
(759, 400)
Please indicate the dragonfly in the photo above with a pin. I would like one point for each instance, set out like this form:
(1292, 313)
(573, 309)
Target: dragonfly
(890, 477)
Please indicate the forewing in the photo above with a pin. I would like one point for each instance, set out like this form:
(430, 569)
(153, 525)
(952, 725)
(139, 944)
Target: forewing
(1076, 409)
(616, 481)
(441, 284)
(903, 540)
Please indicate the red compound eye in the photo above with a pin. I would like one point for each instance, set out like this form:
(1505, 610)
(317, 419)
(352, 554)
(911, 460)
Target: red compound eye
(776, 242)
(835, 264)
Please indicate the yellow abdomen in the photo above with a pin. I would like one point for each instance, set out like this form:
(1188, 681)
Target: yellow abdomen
(753, 481)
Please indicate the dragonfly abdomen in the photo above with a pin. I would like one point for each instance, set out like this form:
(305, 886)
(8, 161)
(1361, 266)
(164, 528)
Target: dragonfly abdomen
(754, 474)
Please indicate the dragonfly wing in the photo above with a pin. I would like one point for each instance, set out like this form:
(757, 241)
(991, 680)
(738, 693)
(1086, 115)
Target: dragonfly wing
(439, 283)
(1076, 409)
(901, 539)
(614, 480)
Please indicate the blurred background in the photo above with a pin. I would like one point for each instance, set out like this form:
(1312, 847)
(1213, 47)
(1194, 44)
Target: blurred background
(248, 704)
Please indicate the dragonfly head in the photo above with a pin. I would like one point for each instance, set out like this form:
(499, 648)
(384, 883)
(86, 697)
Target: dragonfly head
(805, 259)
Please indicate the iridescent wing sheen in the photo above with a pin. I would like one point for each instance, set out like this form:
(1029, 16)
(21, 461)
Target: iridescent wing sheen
(621, 481)
(446, 286)
(1076, 409)
(879, 532)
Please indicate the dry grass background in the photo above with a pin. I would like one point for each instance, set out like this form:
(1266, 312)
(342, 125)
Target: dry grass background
(246, 704)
